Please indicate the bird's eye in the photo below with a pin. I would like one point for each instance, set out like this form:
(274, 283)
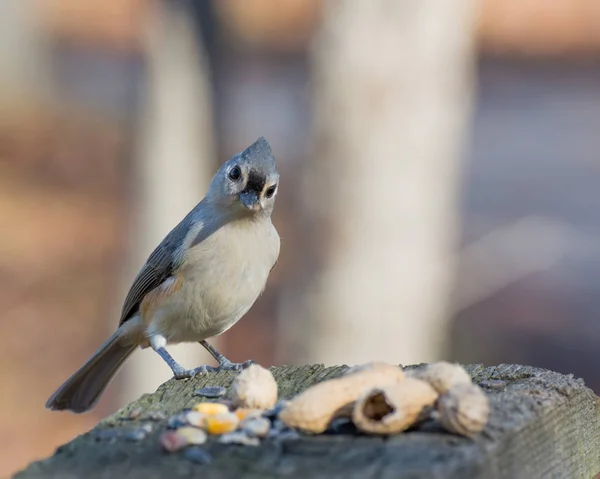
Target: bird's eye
(235, 173)
(270, 191)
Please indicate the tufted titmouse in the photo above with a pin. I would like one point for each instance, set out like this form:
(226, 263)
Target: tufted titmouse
(199, 281)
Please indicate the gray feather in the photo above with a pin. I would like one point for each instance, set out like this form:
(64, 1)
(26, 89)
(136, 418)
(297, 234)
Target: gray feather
(81, 391)
(159, 266)
(260, 155)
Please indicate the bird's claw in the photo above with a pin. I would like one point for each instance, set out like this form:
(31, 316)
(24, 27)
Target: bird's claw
(190, 373)
(204, 369)
(229, 366)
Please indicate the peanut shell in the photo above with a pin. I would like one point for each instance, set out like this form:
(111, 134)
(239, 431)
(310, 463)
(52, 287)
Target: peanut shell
(394, 408)
(441, 375)
(312, 410)
(464, 409)
(254, 388)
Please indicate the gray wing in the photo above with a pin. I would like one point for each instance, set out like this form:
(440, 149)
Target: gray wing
(159, 266)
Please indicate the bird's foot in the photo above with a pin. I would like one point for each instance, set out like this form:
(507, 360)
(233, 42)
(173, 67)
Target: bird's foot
(204, 369)
(227, 365)
(224, 363)
(190, 373)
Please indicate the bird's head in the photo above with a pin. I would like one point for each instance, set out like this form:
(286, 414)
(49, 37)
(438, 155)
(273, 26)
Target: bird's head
(247, 183)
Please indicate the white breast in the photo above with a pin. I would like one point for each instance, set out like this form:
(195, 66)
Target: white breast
(223, 277)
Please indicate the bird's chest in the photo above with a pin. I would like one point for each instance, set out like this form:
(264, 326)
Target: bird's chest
(223, 278)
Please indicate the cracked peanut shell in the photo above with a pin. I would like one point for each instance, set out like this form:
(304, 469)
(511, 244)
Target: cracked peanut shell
(442, 375)
(312, 410)
(464, 409)
(395, 408)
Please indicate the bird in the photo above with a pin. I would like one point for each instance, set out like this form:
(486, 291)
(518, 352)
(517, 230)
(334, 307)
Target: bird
(200, 280)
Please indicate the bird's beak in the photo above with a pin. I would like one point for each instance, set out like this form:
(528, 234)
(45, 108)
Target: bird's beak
(250, 200)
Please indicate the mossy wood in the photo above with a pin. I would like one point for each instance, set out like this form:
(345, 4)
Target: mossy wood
(542, 424)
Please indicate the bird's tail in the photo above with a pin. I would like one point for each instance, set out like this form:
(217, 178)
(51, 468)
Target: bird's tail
(81, 391)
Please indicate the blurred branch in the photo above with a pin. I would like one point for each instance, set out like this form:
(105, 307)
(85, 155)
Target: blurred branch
(513, 252)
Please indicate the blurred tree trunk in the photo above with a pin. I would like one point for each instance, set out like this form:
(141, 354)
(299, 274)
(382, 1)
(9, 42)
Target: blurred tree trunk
(392, 93)
(175, 163)
(23, 67)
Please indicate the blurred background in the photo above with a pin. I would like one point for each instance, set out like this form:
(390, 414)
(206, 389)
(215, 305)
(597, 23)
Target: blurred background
(439, 194)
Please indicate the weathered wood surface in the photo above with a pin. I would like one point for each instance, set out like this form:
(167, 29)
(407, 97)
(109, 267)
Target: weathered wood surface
(543, 424)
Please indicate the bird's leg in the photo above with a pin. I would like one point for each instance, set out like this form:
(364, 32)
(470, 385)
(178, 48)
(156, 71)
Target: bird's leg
(158, 344)
(224, 363)
(179, 372)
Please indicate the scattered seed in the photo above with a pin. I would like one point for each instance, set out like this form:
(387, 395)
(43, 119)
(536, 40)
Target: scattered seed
(256, 426)
(157, 416)
(135, 413)
(195, 418)
(178, 420)
(221, 423)
(192, 435)
(239, 437)
(105, 434)
(274, 411)
(173, 441)
(211, 408)
(280, 431)
(244, 413)
(147, 427)
(138, 434)
(197, 455)
(226, 402)
(211, 392)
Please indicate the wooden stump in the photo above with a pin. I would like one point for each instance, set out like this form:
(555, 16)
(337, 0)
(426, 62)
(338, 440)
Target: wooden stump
(542, 424)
